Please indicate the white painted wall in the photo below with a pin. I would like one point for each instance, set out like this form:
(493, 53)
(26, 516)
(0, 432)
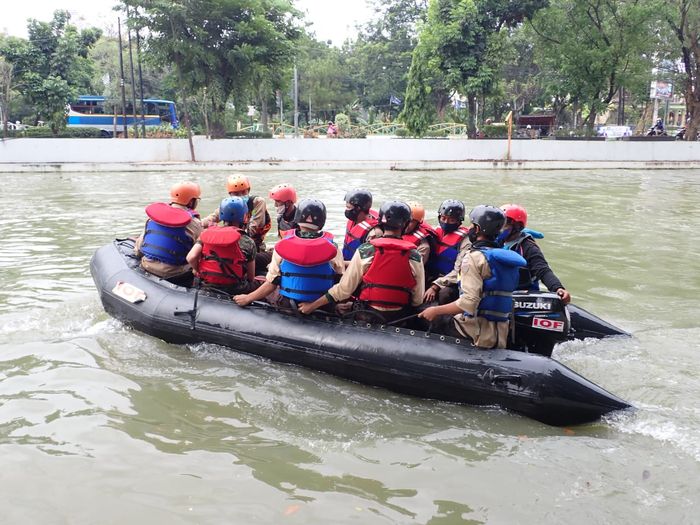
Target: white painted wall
(376, 152)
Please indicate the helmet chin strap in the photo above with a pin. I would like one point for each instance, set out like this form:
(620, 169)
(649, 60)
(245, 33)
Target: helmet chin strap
(473, 233)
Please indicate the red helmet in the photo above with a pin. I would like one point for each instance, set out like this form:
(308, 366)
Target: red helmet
(283, 193)
(516, 213)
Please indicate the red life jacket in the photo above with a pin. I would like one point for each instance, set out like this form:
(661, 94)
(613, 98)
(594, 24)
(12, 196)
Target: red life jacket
(222, 260)
(389, 280)
(442, 258)
(356, 233)
(424, 231)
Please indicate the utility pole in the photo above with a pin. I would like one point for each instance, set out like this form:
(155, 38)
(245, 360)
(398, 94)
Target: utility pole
(621, 107)
(121, 79)
(138, 59)
(296, 103)
(184, 97)
(133, 82)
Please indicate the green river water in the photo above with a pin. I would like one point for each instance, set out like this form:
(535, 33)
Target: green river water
(103, 424)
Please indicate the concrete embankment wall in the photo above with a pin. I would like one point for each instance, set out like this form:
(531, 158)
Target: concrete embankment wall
(324, 154)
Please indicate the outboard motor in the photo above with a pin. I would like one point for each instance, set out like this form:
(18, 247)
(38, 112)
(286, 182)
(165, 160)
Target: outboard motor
(541, 321)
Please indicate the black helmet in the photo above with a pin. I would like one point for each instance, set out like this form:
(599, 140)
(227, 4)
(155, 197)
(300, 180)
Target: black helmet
(452, 208)
(311, 211)
(489, 219)
(359, 198)
(395, 215)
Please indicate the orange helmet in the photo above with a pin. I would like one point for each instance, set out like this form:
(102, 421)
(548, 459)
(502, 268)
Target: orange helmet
(283, 193)
(516, 213)
(183, 192)
(237, 183)
(417, 211)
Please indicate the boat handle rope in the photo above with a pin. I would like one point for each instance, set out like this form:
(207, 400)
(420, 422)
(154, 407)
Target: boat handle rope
(193, 312)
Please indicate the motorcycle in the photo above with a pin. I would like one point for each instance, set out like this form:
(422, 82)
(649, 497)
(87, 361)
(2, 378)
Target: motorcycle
(654, 131)
(680, 134)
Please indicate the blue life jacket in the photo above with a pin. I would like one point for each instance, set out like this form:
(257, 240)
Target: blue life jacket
(443, 256)
(306, 272)
(165, 238)
(527, 280)
(166, 244)
(497, 303)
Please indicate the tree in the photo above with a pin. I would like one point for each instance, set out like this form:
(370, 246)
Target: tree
(590, 49)
(52, 65)
(5, 92)
(461, 40)
(683, 17)
(422, 87)
(325, 81)
(381, 55)
(219, 44)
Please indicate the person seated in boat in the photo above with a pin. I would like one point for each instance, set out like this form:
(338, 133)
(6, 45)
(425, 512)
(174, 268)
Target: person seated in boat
(361, 219)
(304, 264)
(169, 234)
(419, 232)
(224, 256)
(285, 197)
(450, 245)
(259, 222)
(387, 270)
(517, 237)
(487, 277)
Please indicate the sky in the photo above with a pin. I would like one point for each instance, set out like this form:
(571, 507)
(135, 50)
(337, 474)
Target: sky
(332, 20)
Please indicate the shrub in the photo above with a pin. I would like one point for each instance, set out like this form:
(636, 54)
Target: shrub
(494, 131)
(66, 133)
(248, 135)
(166, 131)
(342, 121)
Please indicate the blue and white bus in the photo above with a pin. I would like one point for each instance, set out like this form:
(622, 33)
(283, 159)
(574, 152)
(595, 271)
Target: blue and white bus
(90, 111)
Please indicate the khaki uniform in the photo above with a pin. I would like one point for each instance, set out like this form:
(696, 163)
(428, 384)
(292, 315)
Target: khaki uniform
(256, 224)
(487, 334)
(165, 270)
(360, 263)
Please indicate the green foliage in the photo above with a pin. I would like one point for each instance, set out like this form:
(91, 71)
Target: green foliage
(590, 49)
(494, 131)
(224, 45)
(248, 135)
(460, 47)
(381, 56)
(66, 133)
(683, 18)
(342, 121)
(52, 66)
(419, 109)
(324, 80)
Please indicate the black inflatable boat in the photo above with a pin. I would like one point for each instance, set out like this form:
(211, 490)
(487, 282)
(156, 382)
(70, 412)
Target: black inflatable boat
(400, 359)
